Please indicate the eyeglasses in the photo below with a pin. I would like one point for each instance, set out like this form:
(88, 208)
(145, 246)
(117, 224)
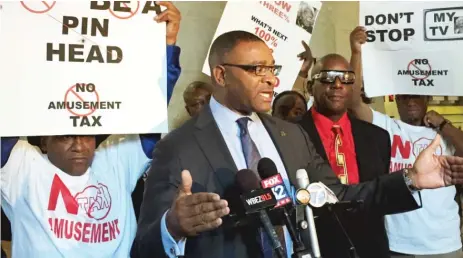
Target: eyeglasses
(329, 76)
(259, 70)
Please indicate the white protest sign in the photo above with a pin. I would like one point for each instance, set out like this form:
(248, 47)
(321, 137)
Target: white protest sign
(82, 68)
(282, 25)
(413, 48)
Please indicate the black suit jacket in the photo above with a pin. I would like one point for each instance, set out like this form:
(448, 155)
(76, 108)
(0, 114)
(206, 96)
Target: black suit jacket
(365, 228)
(198, 146)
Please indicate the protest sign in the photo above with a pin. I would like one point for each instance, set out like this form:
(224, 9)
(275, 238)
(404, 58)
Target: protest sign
(82, 68)
(412, 48)
(282, 25)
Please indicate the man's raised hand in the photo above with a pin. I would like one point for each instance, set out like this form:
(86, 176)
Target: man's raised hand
(191, 214)
(357, 38)
(172, 18)
(434, 171)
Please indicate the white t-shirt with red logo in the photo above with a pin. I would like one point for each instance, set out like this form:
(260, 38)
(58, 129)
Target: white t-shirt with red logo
(54, 214)
(435, 228)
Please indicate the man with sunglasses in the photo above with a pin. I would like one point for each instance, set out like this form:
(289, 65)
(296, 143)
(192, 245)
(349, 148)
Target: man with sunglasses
(433, 230)
(183, 211)
(356, 151)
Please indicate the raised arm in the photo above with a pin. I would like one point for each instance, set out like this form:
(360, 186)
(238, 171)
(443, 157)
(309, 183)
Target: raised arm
(301, 80)
(391, 193)
(7, 144)
(361, 110)
(385, 195)
(172, 18)
(447, 130)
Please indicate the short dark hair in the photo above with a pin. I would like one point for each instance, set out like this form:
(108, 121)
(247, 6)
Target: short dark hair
(192, 87)
(225, 43)
(287, 93)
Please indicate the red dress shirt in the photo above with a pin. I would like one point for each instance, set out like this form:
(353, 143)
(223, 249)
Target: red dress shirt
(340, 150)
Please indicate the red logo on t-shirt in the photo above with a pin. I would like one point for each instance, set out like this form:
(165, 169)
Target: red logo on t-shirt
(421, 144)
(399, 145)
(95, 200)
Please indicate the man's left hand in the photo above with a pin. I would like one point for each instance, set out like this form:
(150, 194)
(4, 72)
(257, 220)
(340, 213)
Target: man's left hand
(433, 119)
(308, 60)
(172, 18)
(432, 171)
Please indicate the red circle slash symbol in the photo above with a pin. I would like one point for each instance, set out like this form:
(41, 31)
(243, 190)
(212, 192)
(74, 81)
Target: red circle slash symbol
(73, 96)
(38, 7)
(132, 13)
(422, 67)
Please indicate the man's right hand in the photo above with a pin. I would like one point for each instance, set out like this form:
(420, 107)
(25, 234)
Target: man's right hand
(357, 37)
(191, 214)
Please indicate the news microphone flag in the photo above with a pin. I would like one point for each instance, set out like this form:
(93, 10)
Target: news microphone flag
(278, 188)
(259, 199)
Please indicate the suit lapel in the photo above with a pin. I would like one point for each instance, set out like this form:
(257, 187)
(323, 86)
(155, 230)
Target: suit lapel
(309, 126)
(283, 145)
(215, 149)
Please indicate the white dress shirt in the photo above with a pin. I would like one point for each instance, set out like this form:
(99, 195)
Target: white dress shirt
(226, 121)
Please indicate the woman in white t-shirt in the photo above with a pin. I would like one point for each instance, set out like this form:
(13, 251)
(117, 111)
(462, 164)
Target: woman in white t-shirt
(433, 229)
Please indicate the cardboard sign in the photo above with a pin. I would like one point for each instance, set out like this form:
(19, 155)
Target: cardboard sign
(82, 68)
(412, 48)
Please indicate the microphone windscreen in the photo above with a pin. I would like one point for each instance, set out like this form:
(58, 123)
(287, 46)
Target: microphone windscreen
(302, 178)
(266, 168)
(247, 180)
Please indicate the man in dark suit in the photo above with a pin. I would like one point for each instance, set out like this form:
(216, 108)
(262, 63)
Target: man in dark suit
(182, 210)
(359, 153)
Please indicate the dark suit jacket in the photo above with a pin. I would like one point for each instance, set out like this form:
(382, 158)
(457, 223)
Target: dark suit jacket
(199, 147)
(365, 228)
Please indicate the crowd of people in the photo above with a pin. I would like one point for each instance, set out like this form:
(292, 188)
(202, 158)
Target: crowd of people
(86, 196)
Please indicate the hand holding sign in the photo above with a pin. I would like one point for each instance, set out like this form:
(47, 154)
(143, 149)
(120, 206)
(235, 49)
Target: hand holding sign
(433, 119)
(357, 38)
(172, 18)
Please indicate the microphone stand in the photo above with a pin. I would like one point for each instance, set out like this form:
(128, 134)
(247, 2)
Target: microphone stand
(352, 251)
(300, 220)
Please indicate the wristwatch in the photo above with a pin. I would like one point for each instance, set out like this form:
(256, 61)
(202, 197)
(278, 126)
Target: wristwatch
(409, 181)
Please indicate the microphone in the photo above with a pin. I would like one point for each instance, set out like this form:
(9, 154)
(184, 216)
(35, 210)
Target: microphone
(253, 195)
(302, 180)
(273, 180)
(320, 194)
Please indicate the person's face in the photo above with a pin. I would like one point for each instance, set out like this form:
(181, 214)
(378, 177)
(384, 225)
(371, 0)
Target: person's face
(298, 110)
(290, 108)
(308, 16)
(412, 108)
(196, 101)
(71, 154)
(248, 90)
(333, 98)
